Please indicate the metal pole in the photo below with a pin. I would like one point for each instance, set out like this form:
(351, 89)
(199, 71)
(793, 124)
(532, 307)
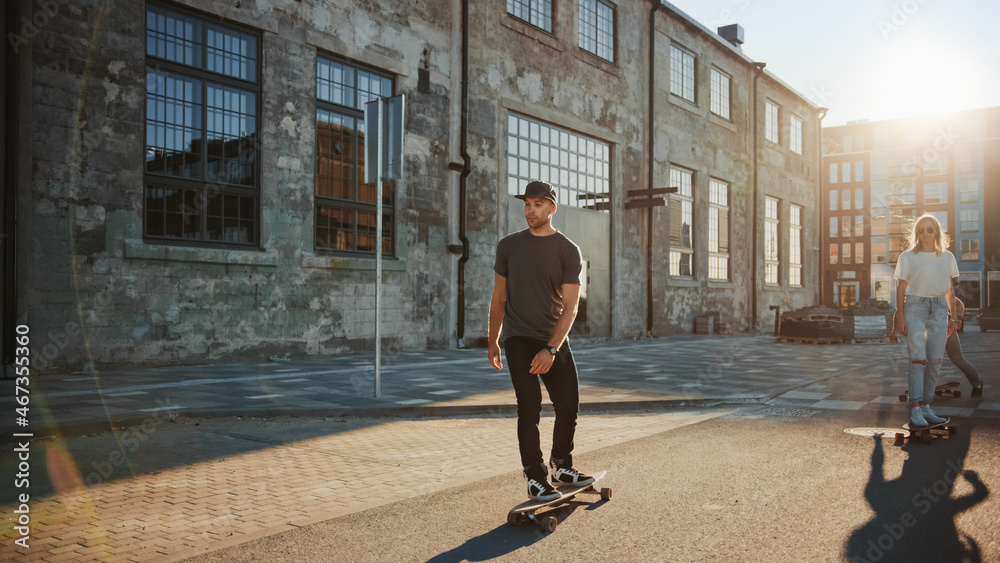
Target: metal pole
(378, 253)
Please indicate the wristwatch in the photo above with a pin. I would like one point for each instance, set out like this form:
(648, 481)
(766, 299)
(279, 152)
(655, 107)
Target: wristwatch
(553, 350)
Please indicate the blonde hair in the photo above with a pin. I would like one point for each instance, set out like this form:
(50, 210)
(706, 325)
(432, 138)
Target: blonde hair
(941, 242)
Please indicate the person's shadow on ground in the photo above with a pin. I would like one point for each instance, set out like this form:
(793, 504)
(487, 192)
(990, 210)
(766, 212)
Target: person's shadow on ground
(915, 513)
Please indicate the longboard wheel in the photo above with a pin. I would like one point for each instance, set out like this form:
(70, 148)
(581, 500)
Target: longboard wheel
(606, 493)
(549, 523)
(515, 519)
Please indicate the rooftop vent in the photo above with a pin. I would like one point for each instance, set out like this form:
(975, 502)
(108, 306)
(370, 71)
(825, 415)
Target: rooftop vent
(732, 33)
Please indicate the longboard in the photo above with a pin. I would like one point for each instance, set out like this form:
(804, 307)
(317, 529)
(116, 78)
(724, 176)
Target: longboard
(950, 388)
(926, 433)
(525, 512)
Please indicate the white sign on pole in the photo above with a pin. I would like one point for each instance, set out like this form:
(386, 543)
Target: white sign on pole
(383, 161)
(389, 138)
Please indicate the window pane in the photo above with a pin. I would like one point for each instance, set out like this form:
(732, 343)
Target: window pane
(202, 134)
(173, 36)
(335, 155)
(681, 73)
(597, 28)
(231, 135)
(173, 125)
(535, 12)
(229, 218)
(335, 83)
(720, 93)
(334, 228)
(578, 166)
(231, 53)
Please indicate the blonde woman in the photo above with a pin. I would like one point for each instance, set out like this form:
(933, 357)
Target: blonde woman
(926, 312)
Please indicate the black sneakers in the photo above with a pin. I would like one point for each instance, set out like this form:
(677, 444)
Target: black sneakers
(569, 476)
(539, 487)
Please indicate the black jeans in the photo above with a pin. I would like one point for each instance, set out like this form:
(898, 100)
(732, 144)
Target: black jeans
(561, 382)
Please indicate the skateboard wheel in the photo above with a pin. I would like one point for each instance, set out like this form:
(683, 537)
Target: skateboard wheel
(957, 393)
(899, 436)
(515, 519)
(903, 397)
(952, 430)
(606, 493)
(549, 524)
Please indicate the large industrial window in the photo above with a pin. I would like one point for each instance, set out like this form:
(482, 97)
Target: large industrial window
(771, 116)
(536, 12)
(718, 230)
(681, 223)
(597, 28)
(720, 93)
(345, 205)
(795, 246)
(771, 230)
(202, 181)
(795, 136)
(579, 166)
(682, 73)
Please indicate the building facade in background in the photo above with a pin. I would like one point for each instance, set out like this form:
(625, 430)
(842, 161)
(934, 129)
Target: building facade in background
(880, 176)
(189, 174)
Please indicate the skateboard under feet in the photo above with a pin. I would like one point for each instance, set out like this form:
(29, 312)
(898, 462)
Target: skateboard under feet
(926, 433)
(525, 512)
(951, 389)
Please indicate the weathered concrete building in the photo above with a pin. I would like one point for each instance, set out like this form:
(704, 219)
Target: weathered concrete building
(184, 180)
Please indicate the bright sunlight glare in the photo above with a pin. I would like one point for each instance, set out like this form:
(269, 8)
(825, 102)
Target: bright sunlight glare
(921, 78)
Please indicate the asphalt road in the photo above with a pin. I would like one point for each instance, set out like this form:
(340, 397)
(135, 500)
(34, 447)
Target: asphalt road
(771, 484)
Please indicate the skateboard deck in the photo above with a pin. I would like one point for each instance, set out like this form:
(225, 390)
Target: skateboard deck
(951, 389)
(525, 512)
(926, 433)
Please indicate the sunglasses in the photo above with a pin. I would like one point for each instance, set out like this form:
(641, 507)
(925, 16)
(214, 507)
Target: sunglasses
(928, 230)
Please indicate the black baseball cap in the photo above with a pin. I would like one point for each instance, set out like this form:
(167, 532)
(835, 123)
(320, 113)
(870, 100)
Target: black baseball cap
(539, 189)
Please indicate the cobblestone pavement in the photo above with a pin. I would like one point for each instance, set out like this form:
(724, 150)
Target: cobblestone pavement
(205, 487)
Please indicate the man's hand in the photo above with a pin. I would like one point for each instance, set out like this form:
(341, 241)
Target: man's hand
(494, 355)
(542, 362)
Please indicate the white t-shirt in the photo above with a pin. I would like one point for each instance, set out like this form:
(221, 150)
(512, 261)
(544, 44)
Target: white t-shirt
(925, 273)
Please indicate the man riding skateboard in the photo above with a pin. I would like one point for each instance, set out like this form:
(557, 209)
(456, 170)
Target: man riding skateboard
(536, 292)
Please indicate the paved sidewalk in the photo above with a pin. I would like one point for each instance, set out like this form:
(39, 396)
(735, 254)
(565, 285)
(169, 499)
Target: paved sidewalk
(659, 373)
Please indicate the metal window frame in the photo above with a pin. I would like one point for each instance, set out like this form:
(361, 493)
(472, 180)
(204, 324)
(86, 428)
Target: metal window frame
(202, 184)
(388, 210)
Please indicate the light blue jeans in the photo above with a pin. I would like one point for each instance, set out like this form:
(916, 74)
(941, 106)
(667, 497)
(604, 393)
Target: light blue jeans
(926, 335)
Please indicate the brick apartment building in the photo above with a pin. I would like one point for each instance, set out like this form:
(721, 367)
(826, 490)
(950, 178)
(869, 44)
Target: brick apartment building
(879, 176)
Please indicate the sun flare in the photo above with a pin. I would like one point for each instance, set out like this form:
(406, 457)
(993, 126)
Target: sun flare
(925, 78)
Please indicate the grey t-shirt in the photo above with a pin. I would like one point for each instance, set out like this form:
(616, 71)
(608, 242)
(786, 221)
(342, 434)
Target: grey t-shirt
(535, 268)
